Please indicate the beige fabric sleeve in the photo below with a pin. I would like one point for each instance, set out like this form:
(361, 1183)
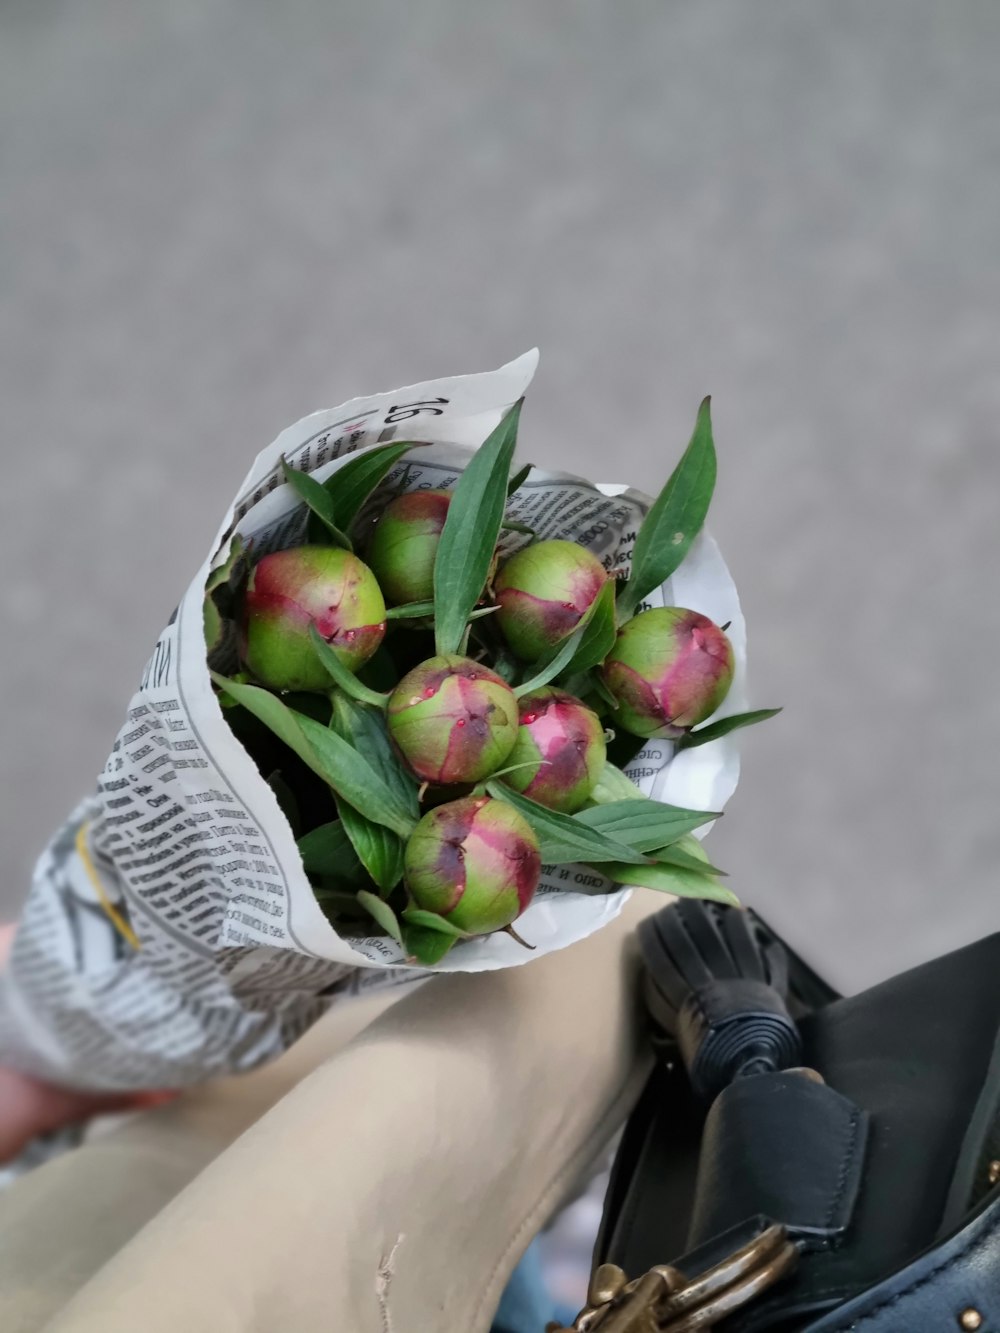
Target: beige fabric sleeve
(64, 1221)
(395, 1188)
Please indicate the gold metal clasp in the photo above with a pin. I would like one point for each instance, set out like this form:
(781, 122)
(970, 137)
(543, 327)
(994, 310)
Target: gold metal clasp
(665, 1301)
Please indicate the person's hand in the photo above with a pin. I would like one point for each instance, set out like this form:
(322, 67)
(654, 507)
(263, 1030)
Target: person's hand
(30, 1107)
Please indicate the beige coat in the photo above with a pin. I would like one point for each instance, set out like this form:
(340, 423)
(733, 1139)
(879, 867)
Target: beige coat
(383, 1177)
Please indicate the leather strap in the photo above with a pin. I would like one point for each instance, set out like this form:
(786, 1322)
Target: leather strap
(958, 1277)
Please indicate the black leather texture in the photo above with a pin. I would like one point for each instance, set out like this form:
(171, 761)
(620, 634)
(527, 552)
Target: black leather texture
(960, 1276)
(917, 1059)
(785, 1147)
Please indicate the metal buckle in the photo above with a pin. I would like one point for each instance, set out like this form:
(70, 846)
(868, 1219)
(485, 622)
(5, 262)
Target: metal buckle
(665, 1301)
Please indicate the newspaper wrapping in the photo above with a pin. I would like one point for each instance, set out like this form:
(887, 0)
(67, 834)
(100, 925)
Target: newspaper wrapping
(171, 934)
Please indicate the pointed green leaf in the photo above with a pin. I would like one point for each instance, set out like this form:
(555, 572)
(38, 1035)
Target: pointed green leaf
(614, 785)
(379, 849)
(228, 572)
(342, 675)
(351, 485)
(565, 838)
(420, 610)
(714, 730)
(318, 500)
(382, 913)
(518, 479)
(410, 611)
(599, 632)
(554, 668)
(470, 532)
(687, 853)
(604, 694)
(327, 850)
(365, 729)
(424, 946)
(337, 763)
(416, 916)
(675, 518)
(644, 825)
(683, 883)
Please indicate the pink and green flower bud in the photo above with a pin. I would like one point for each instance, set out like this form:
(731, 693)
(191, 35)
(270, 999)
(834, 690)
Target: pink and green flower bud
(561, 744)
(669, 670)
(290, 590)
(543, 591)
(453, 720)
(404, 545)
(475, 862)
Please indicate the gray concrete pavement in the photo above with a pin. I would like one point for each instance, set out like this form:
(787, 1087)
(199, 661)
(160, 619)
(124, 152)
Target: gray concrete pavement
(217, 216)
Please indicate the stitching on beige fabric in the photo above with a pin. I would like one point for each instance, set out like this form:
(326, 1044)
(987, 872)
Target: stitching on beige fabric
(383, 1279)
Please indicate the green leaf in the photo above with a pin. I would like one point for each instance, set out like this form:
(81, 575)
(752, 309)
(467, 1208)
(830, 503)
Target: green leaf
(327, 850)
(285, 798)
(599, 632)
(564, 838)
(687, 853)
(215, 630)
(518, 479)
(424, 946)
(683, 883)
(220, 596)
(337, 901)
(379, 849)
(342, 675)
(351, 485)
(353, 778)
(416, 916)
(319, 501)
(228, 572)
(554, 668)
(470, 532)
(675, 518)
(418, 610)
(644, 825)
(614, 785)
(511, 525)
(724, 726)
(602, 691)
(410, 611)
(341, 766)
(382, 913)
(365, 729)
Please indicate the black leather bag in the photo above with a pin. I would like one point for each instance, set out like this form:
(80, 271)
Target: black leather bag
(804, 1162)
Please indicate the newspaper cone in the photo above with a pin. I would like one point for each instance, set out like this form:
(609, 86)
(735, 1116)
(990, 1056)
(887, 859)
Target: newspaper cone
(171, 933)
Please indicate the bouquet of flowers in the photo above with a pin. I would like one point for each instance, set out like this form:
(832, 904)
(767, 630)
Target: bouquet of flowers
(417, 708)
(444, 702)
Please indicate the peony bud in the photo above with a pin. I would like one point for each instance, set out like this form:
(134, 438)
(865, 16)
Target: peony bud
(563, 742)
(404, 545)
(453, 719)
(310, 585)
(669, 670)
(475, 862)
(542, 592)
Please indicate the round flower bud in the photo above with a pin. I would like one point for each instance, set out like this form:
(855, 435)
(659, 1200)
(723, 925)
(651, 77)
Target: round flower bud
(669, 670)
(475, 862)
(404, 545)
(543, 591)
(309, 585)
(561, 741)
(453, 720)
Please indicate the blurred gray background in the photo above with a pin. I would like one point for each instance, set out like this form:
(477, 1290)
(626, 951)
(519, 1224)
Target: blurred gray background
(218, 216)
